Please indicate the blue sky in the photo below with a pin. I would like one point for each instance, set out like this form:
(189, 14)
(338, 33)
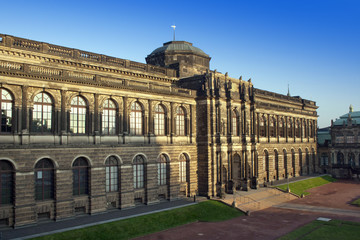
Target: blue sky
(312, 45)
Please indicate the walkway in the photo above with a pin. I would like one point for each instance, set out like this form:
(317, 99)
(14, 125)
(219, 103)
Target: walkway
(41, 229)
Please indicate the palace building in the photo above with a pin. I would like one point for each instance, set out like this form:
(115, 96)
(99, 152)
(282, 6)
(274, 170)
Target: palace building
(83, 133)
(339, 144)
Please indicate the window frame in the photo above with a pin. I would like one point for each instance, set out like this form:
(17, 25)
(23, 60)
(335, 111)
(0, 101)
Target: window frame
(180, 121)
(162, 168)
(7, 106)
(78, 111)
(111, 169)
(7, 174)
(136, 119)
(47, 175)
(159, 120)
(42, 105)
(108, 118)
(80, 177)
(139, 172)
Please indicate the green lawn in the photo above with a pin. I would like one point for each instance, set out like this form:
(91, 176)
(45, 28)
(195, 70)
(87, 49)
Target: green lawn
(300, 187)
(319, 230)
(208, 211)
(356, 202)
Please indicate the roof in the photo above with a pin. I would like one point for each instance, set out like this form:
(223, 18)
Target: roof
(179, 46)
(323, 135)
(355, 119)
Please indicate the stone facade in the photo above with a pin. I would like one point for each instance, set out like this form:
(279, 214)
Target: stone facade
(82, 133)
(339, 152)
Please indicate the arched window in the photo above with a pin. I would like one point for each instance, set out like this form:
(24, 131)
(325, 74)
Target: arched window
(262, 125)
(6, 105)
(183, 163)
(112, 178)
(136, 119)
(305, 129)
(138, 167)
(272, 127)
(297, 129)
(42, 113)
(234, 117)
(78, 115)
(6, 183)
(80, 176)
(282, 127)
(162, 169)
(159, 120)
(109, 117)
(44, 180)
(180, 121)
(290, 128)
(340, 158)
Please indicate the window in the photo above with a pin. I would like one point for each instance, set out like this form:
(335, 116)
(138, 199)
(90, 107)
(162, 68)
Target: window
(340, 139)
(109, 118)
(290, 128)
(78, 115)
(235, 123)
(297, 129)
(262, 124)
(6, 183)
(350, 139)
(44, 180)
(183, 167)
(180, 121)
(305, 130)
(42, 113)
(272, 126)
(340, 158)
(6, 105)
(162, 169)
(136, 119)
(138, 168)
(159, 120)
(281, 128)
(111, 174)
(80, 177)
(311, 130)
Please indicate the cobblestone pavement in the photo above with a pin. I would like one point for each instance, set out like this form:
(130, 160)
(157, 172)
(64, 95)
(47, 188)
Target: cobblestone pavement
(330, 201)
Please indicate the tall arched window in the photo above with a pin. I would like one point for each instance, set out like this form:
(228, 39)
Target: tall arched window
(112, 178)
(80, 176)
(183, 163)
(305, 129)
(340, 158)
(136, 119)
(180, 121)
(282, 127)
(42, 113)
(297, 129)
(6, 183)
(290, 128)
(138, 168)
(159, 120)
(109, 117)
(78, 115)
(6, 105)
(235, 124)
(272, 127)
(262, 125)
(162, 169)
(44, 180)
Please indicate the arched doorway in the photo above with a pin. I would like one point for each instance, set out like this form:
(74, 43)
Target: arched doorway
(267, 165)
(276, 164)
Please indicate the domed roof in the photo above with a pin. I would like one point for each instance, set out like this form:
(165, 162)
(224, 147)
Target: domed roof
(182, 46)
(354, 116)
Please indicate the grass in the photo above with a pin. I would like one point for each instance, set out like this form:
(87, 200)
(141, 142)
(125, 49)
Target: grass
(356, 202)
(300, 187)
(319, 230)
(208, 211)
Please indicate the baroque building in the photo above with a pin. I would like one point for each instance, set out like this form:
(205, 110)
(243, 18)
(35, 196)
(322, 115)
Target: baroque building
(339, 146)
(82, 133)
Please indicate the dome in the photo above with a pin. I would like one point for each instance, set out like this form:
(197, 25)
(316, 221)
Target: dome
(179, 46)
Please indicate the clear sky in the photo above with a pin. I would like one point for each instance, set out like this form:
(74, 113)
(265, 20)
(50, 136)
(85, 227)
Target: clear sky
(312, 45)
